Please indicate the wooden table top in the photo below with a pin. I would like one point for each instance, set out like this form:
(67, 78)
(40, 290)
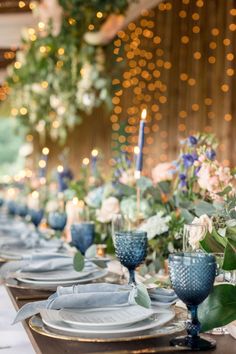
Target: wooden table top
(46, 345)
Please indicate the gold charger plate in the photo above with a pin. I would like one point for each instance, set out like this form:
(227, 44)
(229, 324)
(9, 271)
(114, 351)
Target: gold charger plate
(174, 326)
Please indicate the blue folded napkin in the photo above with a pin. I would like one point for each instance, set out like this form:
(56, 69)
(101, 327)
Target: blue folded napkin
(82, 297)
(163, 295)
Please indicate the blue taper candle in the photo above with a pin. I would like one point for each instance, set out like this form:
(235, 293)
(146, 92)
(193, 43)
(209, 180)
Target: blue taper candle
(139, 158)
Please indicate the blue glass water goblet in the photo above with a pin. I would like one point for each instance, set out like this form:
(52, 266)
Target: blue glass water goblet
(22, 210)
(1, 202)
(192, 276)
(11, 207)
(131, 250)
(57, 221)
(83, 235)
(36, 217)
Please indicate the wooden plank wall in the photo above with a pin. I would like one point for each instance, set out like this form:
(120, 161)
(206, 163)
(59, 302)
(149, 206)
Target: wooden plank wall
(195, 57)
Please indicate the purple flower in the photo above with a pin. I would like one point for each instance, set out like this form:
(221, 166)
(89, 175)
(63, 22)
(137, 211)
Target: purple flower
(211, 154)
(189, 159)
(193, 140)
(197, 170)
(182, 178)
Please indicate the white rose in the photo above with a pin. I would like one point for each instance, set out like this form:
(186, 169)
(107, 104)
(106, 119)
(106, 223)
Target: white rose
(110, 206)
(197, 232)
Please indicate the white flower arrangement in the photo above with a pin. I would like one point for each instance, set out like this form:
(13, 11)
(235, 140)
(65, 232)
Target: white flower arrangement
(156, 225)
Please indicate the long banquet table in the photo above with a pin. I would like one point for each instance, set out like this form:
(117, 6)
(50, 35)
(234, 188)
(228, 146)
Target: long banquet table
(45, 345)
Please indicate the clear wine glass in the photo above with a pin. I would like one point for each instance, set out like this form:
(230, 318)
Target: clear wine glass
(192, 276)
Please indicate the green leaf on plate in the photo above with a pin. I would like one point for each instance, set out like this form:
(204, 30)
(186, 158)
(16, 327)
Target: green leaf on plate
(142, 298)
(78, 261)
(219, 308)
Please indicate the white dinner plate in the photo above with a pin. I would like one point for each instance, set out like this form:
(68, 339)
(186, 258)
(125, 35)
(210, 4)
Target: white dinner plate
(52, 320)
(60, 274)
(105, 317)
(93, 276)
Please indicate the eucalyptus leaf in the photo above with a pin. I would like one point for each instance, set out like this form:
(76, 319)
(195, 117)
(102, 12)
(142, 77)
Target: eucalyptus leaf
(142, 298)
(219, 308)
(165, 186)
(203, 207)
(188, 217)
(91, 252)
(78, 261)
(144, 183)
(100, 263)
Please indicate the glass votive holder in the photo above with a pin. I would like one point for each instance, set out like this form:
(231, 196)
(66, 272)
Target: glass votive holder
(101, 250)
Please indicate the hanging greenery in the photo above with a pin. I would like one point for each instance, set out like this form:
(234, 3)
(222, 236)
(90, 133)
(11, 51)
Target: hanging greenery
(58, 76)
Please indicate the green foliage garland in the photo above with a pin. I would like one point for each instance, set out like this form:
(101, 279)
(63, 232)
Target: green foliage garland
(57, 79)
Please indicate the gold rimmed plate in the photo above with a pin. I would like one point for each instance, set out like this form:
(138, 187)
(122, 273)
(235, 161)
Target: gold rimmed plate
(37, 325)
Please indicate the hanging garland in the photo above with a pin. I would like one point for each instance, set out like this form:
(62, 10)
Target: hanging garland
(58, 76)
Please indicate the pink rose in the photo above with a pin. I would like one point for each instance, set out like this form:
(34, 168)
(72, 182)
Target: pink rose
(163, 172)
(198, 229)
(110, 206)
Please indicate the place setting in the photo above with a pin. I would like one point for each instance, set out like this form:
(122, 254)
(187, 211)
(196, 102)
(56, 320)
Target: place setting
(117, 176)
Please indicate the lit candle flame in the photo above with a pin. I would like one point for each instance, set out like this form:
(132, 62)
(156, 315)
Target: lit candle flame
(94, 152)
(60, 168)
(144, 114)
(85, 161)
(45, 151)
(136, 150)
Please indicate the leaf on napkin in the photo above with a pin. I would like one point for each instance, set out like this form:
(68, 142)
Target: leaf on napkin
(142, 298)
(78, 261)
(219, 308)
(100, 263)
(91, 252)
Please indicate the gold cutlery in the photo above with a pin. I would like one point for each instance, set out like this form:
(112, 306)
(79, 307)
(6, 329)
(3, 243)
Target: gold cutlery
(32, 297)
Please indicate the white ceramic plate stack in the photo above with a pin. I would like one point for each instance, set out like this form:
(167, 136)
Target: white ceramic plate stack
(104, 323)
(60, 277)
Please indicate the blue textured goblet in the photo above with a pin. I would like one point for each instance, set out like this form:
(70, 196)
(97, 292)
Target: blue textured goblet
(36, 217)
(131, 249)
(57, 221)
(1, 202)
(82, 235)
(22, 210)
(11, 208)
(192, 276)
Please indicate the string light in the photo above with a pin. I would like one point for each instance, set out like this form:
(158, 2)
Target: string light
(60, 168)
(147, 82)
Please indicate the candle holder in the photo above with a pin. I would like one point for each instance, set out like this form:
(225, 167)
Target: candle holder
(101, 250)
